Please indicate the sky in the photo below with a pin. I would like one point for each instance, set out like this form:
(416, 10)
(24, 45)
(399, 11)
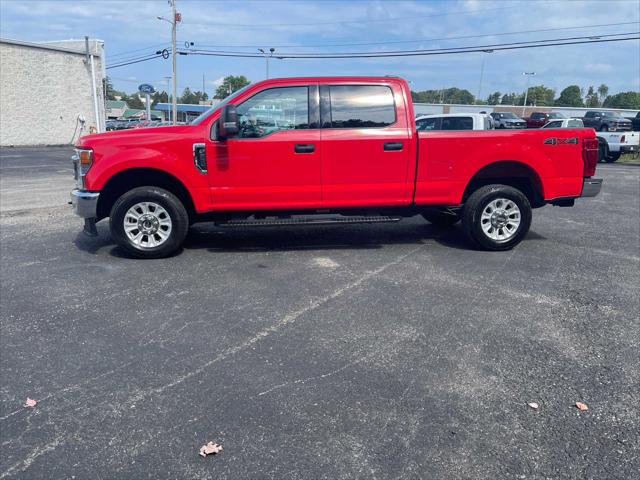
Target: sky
(131, 29)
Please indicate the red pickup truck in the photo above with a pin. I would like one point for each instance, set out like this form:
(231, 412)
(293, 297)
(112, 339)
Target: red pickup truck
(304, 151)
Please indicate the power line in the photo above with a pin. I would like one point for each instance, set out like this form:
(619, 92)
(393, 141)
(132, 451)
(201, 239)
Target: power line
(404, 52)
(120, 54)
(418, 52)
(152, 57)
(407, 53)
(425, 39)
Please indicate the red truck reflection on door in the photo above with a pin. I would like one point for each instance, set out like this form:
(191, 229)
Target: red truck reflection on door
(303, 151)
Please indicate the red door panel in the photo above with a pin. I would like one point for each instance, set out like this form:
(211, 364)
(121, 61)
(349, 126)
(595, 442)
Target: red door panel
(265, 173)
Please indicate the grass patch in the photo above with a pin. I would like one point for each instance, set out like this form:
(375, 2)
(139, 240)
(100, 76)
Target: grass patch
(629, 159)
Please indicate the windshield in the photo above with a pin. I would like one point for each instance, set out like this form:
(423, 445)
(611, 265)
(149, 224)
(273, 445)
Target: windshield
(508, 115)
(611, 114)
(556, 115)
(208, 112)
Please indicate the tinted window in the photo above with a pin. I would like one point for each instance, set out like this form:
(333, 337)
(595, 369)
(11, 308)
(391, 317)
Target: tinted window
(556, 115)
(590, 114)
(358, 106)
(273, 110)
(538, 116)
(427, 124)
(457, 123)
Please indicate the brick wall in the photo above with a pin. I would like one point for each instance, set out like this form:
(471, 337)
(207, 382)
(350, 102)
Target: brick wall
(42, 92)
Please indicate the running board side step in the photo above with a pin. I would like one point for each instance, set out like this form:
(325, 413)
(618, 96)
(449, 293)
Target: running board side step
(276, 222)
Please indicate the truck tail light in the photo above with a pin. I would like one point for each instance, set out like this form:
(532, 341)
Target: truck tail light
(590, 156)
(622, 139)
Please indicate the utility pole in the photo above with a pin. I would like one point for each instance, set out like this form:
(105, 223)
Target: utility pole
(526, 92)
(174, 21)
(203, 91)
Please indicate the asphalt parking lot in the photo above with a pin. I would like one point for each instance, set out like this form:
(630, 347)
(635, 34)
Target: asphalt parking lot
(362, 351)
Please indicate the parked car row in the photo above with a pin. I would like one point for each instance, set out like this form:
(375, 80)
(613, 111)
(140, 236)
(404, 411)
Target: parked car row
(112, 125)
(610, 144)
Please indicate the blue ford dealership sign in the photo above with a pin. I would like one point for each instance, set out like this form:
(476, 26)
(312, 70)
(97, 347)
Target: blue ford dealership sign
(146, 88)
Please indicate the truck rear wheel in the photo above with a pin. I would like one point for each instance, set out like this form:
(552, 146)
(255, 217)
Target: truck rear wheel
(612, 157)
(496, 217)
(149, 222)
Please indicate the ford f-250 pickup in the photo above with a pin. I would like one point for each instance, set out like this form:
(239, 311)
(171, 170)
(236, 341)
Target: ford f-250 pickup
(304, 151)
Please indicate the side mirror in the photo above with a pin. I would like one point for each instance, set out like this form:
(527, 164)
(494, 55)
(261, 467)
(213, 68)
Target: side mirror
(228, 125)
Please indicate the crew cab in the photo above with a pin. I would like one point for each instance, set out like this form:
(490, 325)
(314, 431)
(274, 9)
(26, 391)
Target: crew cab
(605, 121)
(539, 119)
(453, 121)
(306, 151)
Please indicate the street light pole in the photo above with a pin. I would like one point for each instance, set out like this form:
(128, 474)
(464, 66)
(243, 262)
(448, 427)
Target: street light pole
(169, 89)
(482, 73)
(266, 58)
(526, 92)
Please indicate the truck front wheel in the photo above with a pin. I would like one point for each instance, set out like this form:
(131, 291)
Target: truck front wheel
(149, 222)
(496, 217)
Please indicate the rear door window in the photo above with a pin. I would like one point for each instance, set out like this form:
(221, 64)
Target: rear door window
(361, 106)
(457, 123)
(427, 124)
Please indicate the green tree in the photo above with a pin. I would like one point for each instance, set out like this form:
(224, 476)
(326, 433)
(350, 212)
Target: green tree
(629, 100)
(230, 84)
(540, 95)
(494, 98)
(570, 97)
(603, 91)
(512, 99)
(109, 91)
(592, 100)
(133, 101)
(159, 97)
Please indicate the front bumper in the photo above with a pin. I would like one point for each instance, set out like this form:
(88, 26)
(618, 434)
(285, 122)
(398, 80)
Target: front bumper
(85, 204)
(591, 187)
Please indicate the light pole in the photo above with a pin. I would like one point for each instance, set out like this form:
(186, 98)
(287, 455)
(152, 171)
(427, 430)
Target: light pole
(482, 73)
(266, 57)
(526, 92)
(176, 17)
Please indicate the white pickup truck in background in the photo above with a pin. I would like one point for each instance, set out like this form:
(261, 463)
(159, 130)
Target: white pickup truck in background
(618, 143)
(610, 144)
(454, 121)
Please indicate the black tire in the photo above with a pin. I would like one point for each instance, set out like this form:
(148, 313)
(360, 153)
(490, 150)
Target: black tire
(612, 157)
(179, 222)
(441, 218)
(476, 204)
(604, 128)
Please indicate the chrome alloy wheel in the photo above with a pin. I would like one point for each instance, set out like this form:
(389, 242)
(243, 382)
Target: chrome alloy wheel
(147, 225)
(500, 219)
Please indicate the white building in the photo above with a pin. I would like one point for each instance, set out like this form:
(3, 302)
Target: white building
(65, 77)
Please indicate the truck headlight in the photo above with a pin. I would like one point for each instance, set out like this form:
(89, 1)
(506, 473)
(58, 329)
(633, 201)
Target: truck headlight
(83, 159)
